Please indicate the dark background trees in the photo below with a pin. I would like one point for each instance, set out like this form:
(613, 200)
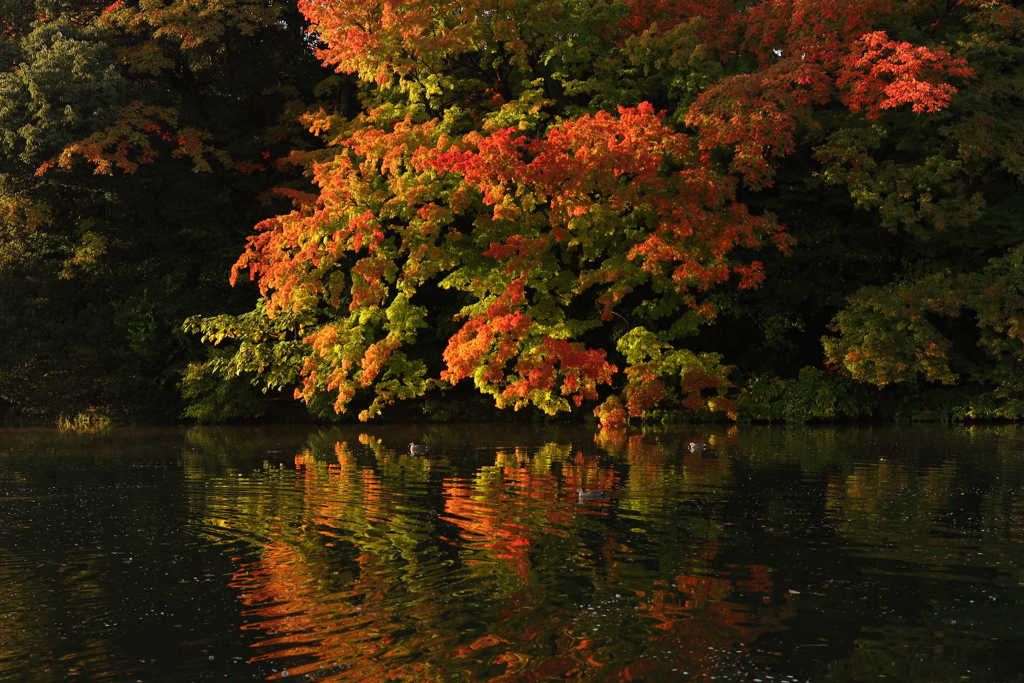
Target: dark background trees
(138, 148)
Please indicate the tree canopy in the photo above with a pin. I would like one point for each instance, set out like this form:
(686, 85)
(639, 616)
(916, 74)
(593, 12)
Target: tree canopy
(133, 149)
(603, 207)
(586, 188)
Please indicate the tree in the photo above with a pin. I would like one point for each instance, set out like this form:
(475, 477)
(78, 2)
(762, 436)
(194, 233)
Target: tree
(562, 177)
(135, 142)
(950, 316)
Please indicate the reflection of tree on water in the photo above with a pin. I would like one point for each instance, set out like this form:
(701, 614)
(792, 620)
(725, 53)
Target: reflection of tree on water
(891, 552)
(387, 572)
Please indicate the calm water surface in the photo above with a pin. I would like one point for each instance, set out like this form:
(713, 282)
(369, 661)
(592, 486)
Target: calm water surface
(859, 554)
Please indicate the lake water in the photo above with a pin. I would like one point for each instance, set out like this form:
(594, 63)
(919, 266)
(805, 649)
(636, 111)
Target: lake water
(818, 554)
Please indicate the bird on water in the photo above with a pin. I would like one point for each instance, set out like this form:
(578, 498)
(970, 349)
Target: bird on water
(697, 446)
(590, 495)
(417, 448)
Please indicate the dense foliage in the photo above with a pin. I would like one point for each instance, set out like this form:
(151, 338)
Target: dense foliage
(133, 140)
(627, 209)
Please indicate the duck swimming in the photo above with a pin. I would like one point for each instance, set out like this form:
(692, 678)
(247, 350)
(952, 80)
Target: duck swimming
(417, 448)
(697, 446)
(590, 495)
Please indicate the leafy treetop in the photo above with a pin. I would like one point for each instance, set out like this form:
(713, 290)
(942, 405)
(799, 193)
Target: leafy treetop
(562, 178)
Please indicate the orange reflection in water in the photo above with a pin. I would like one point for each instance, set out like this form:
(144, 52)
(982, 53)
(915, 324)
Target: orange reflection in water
(378, 627)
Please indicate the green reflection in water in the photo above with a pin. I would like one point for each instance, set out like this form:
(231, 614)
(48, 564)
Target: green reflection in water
(779, 555)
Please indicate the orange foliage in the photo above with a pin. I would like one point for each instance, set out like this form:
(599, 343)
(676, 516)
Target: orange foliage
(812, 52)
(536, 205)
(881, 74)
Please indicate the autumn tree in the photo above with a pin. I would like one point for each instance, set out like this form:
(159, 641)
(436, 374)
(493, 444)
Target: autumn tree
(553, 200)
